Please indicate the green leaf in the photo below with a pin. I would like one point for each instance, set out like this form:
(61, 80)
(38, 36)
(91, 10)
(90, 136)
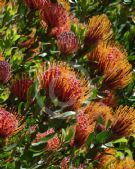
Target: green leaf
(90, 139)
(121, 140)
(102, 137)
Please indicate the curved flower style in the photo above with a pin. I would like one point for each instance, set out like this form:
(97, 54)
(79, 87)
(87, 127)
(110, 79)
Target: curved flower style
(61, 82)
(113, 63)
(37, 4)
(56, 19)
(123, 124)
(86, 121)
(20, 87)
(108, 160)
(67, 43)
(53, 143)
(9, 123)
(99, 30)
(5, 72)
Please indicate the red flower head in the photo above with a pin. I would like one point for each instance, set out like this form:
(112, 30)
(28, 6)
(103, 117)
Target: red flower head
(37, 4)
(56, 18)
(61, 82)
(53, 143)
(83, 128)
(65, 163)
(9, 123)
(20, 87)
(5, 72)
(67, 43)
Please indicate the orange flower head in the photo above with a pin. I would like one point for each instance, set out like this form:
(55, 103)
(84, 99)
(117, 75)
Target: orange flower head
(5, 72)
(53, 143)
(86, 121)
(96, 109)
(56, 18)
(37, 4)
(20, 87)
(123, 123)
(126, 163)
(107, 159)
(61, 82)
(99, 30)
(10, 123)
(67, 43)
(107, 53)
(113, 63)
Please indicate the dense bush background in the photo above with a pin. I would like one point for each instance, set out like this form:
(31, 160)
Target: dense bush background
(25, 44)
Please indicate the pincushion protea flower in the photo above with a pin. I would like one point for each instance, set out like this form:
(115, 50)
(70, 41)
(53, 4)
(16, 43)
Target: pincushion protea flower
(96, 109)
(113, 63)
(20, 87)
(37, 4)
(65, 163)
(84, 127)
(61, 82)
(53, 143)
(67, 43)
(86, 121)
(9, 123)
(123, 124)
(99, 30)
(56, 19)
(126, 163)
(5, 72)
(108, 160)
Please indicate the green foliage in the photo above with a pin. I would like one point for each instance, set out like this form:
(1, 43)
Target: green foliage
(19, 25)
